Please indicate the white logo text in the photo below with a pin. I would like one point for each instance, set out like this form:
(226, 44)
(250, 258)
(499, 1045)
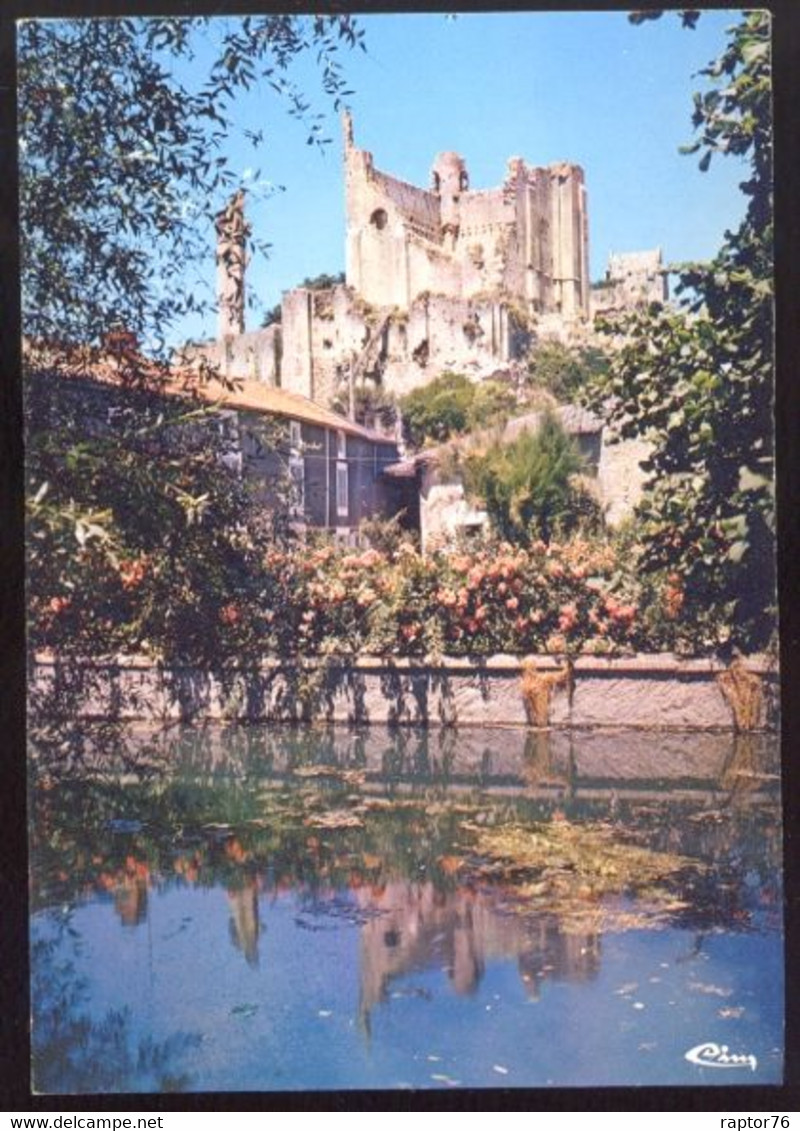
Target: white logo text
(711, 1055)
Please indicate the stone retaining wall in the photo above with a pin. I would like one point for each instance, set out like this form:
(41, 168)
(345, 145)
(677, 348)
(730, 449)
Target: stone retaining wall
(646, 691)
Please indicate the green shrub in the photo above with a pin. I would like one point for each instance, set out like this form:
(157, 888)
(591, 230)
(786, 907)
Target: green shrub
(439, 410)
(526, 485)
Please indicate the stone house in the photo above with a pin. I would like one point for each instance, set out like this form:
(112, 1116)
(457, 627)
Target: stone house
(333, 467)
(323, 470)
(442, 511)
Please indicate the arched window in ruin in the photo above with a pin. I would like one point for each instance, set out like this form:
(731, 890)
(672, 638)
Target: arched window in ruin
(379, 219)
(463, 180)
(436, 182)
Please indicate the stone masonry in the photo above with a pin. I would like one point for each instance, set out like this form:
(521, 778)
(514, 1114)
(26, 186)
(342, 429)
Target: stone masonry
(437, 278)
(526, 240)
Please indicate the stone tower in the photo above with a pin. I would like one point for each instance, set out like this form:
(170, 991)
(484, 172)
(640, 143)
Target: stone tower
(232, 232)
(449, 179)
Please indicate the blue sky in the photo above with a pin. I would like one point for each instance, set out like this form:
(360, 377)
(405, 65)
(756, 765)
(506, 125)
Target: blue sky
(547, 86)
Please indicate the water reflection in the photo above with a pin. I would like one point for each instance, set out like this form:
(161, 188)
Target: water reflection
(245, 926)
(76, 1051)
(462, 932)
(268, 873)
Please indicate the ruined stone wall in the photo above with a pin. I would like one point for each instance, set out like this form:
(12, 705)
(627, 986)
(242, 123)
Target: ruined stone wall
(441, 333)
(632, 279)
(377, 259)
(431, 270)
(620, 477)
(252, 356)
(440, 275)
(484, 209)
(486, 228)
(570, 246)
(340, 330)
(296, 330)
(327, 334)
(418, 206)
(535, 207)
(528, 238)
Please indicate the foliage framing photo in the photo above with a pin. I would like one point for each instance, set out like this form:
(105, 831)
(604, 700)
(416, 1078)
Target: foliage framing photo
(138, 533)
(697, 381)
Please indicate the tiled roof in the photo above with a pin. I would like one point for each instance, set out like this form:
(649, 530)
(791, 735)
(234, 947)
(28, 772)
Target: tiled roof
(573, 418)
(254, 396)
(251, 396)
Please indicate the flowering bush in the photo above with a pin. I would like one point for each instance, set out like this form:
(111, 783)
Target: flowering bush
(582, 595)
(561, 598)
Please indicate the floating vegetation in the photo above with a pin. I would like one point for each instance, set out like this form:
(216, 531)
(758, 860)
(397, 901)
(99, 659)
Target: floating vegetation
(575, 871)
(334, 819)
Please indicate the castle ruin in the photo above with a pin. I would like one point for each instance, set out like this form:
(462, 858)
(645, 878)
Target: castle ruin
(526, 240)
(442, 278)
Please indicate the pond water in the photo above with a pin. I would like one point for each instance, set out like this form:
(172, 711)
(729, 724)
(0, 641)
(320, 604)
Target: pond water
(270, 908)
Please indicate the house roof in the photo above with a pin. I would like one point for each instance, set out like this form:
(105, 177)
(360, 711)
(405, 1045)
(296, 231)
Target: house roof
(574, 419)
(250, 396)
(254, 396)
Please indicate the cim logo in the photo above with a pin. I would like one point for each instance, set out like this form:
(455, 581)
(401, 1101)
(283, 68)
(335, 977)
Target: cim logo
(711, 1055)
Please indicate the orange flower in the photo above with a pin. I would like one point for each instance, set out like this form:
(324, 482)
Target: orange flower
(132, 572)
(674, 600)
(229, 614)
(475, 577)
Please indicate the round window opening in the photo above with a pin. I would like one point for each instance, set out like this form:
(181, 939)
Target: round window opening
(379, 219)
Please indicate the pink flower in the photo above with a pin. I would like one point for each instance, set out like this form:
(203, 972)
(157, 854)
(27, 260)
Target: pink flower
(475, 577)
(568, 618)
